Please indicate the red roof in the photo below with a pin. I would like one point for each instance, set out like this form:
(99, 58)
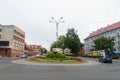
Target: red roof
(107, 28)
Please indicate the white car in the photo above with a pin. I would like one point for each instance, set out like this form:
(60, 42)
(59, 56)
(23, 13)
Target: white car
(37, 55)
(24, 56)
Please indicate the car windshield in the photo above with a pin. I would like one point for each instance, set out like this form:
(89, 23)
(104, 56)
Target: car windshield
(107, 56)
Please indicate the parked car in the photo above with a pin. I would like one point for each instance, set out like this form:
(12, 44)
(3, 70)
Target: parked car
(106, 59)
(118, 54)
(115, 55)
(25, 55)
(37, 55)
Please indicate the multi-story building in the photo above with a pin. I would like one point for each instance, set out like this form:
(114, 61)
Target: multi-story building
(36, 48)
(108, 31)
(28, 50)
(14, 38)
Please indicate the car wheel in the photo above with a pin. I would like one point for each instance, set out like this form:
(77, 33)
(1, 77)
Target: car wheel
(110, 62)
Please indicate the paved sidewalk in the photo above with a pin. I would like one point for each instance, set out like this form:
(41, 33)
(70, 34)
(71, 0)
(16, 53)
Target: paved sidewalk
(22, 61)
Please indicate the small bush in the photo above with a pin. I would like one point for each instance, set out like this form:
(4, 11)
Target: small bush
(61, 59)
(58, 55)
(50, 55)
(55, 55)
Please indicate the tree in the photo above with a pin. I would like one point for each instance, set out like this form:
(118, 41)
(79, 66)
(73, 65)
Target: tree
(72, 41)
(54, 45)
(104, 43)
(60, 43)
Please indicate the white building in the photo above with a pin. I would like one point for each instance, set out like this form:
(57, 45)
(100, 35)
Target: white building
(108, 31)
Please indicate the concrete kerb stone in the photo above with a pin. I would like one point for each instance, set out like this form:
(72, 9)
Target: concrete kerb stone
(22, 61)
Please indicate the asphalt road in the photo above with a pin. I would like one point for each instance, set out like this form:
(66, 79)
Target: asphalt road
(103, 71)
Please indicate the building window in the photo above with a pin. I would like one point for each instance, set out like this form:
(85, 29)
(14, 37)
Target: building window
(18, 33)
(0, 30)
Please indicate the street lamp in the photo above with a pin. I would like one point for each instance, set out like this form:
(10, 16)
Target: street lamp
(118, 41)
(57, 23)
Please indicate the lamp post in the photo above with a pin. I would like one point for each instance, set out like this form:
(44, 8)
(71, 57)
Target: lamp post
(57, 23)
(118, 41)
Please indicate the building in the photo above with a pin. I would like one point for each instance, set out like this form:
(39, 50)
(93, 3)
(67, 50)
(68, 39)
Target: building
(12, 41)
(36, 48)
(28, 50)
(112, 30)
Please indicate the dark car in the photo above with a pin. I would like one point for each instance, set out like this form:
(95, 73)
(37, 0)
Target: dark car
(115, 55)
(118, 54)
(106, 59)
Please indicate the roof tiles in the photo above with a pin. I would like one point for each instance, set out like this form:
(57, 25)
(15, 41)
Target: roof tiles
(107, 28)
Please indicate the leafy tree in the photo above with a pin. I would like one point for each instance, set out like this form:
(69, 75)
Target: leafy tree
(72, 41)
(104, 43)
(61, 41)
(54, 45)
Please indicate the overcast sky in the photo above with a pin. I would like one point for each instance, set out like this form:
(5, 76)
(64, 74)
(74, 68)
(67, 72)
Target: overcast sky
(32, 16)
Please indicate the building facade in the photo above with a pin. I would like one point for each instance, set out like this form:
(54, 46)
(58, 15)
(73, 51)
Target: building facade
(112, 31)
(28, 50)
(15, 38)
(36, 49)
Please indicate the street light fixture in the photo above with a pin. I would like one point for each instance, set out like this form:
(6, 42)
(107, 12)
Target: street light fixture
(57, 23)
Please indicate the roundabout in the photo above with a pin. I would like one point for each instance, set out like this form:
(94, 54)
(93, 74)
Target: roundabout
(26, 62)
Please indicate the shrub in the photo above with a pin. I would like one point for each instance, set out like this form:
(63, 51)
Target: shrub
(55, 55)
(50, 55)
(61, 59)
(58, 55)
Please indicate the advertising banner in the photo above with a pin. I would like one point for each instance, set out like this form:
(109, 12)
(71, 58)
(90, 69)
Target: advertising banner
(94, 53)
(101, 53)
